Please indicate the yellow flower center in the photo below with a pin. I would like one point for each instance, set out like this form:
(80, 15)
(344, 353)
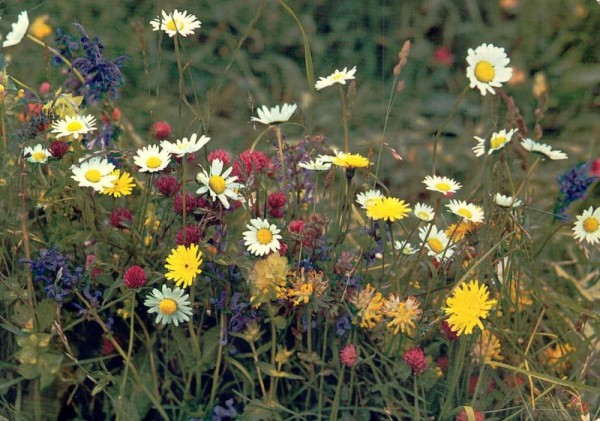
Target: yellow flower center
(217, 184)
(422, 215)
(465, 213)
(174, 25)
(590, 224)
(167, 306)
(93, 175)
(442, 186)
(484, 71)
(74, 126)
(497, 142)
(338, 76)
(38, 156)
(264, 236)
(153, 162)
(436, 245)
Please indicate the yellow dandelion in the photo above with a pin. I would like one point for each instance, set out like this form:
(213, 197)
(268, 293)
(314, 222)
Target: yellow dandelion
(122, 186)
(183, 264)
(388, 208)
(467, 306)
(558, 357)
(350, 160)
(403, 314)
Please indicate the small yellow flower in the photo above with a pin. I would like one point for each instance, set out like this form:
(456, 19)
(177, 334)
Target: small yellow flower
(283, 355)
(370, 307)
(558, 357)
(388, 208)
(268, 278)
(403, 314)
(456, 232)
(40, 28)
(486, 348)
(122, 185)
(183, 264)
(467, 306)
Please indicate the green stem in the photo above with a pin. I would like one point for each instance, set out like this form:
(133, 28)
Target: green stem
(344, 120)
(417, 415)
(458, 364)
(436, 139)
(216, 372)
(129, 352)
(338, 391)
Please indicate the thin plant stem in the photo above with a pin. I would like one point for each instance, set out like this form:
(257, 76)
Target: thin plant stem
(436, 139)
(94, 314)
(344, 120)
(25, 231)
(458, 364)
(216, 372)
(129, 352)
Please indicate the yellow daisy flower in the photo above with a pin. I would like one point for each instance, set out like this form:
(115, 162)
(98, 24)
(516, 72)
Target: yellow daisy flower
(388, 208)
(467, 306)
(122, 185)
(183, 264)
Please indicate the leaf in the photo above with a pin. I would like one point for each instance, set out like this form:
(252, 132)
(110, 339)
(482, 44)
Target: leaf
(546, 378)
(589, 288)
(269, 370)
(44, 313)
(105, 380)
(210, 345)
(257, 410)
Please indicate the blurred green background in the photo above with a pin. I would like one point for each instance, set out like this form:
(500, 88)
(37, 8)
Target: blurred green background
(250, 52)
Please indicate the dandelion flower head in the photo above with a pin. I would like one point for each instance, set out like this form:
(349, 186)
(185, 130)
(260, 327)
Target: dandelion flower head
(468, 305)
(183, 264)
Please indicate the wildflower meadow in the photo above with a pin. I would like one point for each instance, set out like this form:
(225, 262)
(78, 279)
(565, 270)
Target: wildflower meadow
(277, 210)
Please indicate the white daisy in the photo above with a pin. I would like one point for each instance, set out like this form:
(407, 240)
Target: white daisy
(95, 173)
(423, 212)
(337, 77)
(218, 183)
(274, 115)
(543, 149)
(488, 68)
(436, 243)
(443, 185)
(507, 201)
(170, 305)
(587, 226)
(176, 23)
(262, 237)
(37, 155)
(327, 158)
(497, 142)
(18, 31)
(74, 125)
(185, 146)
(315, 165)
(152, 159)
(406, 247)
(367, 198)
(467, 211)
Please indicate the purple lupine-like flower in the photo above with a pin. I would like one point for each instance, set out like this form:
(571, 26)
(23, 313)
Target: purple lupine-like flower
(221, 412)
(52, 269)
(573, 185)
(102, 77)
